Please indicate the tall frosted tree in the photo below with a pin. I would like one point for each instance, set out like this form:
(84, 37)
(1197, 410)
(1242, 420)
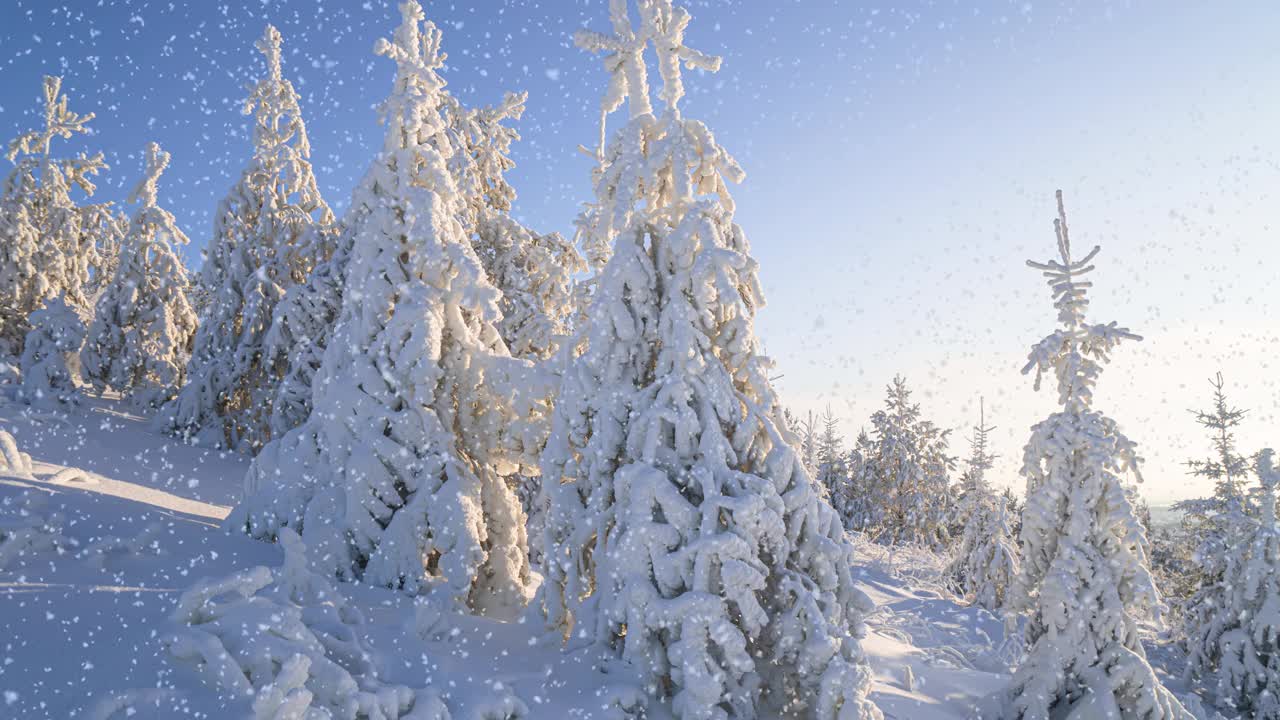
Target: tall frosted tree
(684, 534)
(1084, 577)
(46, 249)
(259, 250)
(143, 325)
(397, 476)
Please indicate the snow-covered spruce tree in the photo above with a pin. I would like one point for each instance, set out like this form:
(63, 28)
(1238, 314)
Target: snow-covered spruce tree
(1216, 524)
(397, 476)
(973, 485)
(905, 476)
(832, 471)
(102, 228)
(254, 257)
(142, 327)
(985, 563)
(807, 430)
(533, 272)
(1084, 576)
(1238, 647)
(858, 508)
(45, 250)
(302, 324)
(51, 356)
(685, 535)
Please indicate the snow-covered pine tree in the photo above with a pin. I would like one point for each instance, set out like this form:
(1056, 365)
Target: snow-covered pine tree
(1219, 526)
(905, 476)
(807, 429)
(1238, 647)
(1084, 575)
(396, 477)
(51, 356)
(832, 472)
(256, 254)
(302, 325)
(533, 272)
(985, 562)
(1214, 525)
(973, 485)
(685, 535)
(1227, 468)
(142, 327)
(859, 508)
(103, 226)
(45, 251)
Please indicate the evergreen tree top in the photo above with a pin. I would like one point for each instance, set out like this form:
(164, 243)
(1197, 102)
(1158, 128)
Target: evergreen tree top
(1076, 351)
(57, 176)
(663, 25)
(415, 49)
(269, 45)
(146, 191)
(981, 458)
(1221, 420)
(274, 103)
(58, 122)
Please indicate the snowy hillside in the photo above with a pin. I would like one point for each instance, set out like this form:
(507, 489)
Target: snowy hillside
(87, 607)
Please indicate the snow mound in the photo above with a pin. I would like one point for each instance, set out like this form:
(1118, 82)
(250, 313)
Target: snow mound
(285, 639)
(12, 460)
(51, 356)
(97, 553)
(27, 530)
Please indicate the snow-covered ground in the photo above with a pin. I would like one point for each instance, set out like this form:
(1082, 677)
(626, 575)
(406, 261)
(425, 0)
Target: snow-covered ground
(84, 617)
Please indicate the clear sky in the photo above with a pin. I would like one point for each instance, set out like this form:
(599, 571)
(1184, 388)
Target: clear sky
(901, 162)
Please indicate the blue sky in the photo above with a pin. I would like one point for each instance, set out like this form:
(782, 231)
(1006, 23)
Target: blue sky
(901, 162)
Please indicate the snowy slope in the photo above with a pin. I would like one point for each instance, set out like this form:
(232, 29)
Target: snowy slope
(82, 628)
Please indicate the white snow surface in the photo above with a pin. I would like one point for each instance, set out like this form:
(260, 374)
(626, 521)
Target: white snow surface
(131, 524)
